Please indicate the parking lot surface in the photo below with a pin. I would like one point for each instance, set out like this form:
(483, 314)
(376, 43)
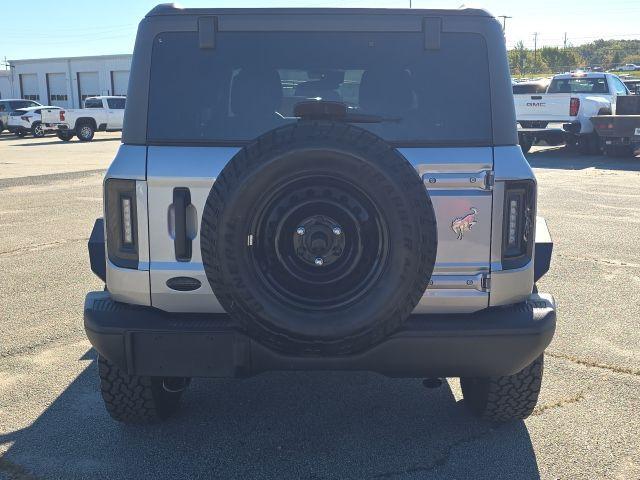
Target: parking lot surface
(315, 425)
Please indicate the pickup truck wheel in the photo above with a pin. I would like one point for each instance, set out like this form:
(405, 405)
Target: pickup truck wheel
(37, 130)
(501, 399)
(319, 238)
(618, 150)
(85, 132)
(525, 143)
(589, 144)
(65, 136)
(138, 399)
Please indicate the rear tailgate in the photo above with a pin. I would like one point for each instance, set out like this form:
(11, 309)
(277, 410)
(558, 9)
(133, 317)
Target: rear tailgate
(547, 107)
(51, 115)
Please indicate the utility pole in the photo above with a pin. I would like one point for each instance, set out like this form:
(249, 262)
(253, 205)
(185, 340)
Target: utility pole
(535, 48)
(504, 22)
(565, 40)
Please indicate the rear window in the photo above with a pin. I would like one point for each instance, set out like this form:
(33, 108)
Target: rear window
(116, 103)
(93, 103)
(22, 104)
(250, 83)
(520, 88)
(578, 85)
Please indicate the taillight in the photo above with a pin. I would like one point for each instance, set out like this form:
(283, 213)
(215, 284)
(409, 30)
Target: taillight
(121, 222)
(519, 223)
(574, 106)
(62, 115)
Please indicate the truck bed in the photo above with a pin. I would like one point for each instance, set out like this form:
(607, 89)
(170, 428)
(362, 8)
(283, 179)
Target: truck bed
(617, 126)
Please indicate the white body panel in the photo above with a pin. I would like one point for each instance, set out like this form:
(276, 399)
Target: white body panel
(552, 107)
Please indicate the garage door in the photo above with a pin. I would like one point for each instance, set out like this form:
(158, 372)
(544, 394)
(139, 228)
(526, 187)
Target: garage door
(29, 86)
(88, 85)
(119, 82)
(58, 94)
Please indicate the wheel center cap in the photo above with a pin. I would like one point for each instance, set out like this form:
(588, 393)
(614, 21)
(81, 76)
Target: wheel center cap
(319, 241)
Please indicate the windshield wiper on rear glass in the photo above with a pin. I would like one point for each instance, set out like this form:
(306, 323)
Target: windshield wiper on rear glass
(337, 111)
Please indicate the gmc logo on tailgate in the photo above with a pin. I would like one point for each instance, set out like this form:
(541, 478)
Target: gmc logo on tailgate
(536, 104)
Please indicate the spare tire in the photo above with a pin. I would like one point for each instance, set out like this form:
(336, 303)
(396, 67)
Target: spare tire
(319, 238)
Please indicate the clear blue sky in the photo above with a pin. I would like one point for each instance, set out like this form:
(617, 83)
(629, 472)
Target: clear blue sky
(46, 28)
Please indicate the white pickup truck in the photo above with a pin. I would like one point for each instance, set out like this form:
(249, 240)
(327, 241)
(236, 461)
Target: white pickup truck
(566, 108)
(103, 113)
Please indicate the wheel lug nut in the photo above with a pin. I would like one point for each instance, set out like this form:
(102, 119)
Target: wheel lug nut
(300, 230)
(337, 231)
(319, 261)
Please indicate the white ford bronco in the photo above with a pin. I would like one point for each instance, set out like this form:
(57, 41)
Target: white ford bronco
(319, 203)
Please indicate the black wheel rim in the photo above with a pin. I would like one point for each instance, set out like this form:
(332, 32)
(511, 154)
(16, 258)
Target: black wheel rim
(318, 243)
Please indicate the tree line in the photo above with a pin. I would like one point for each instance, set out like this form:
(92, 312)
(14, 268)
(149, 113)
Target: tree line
(604, 53)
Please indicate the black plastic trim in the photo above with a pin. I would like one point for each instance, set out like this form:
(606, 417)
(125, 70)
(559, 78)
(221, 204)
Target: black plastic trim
(147, 341)
(432, 32)
(183, 284)
(542, 261)
(207, 28)
(182, 242)
(97, 257)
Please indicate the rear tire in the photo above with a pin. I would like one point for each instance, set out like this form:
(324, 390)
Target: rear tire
(65, 136)
(589, 144)
(138, 399)
(85, 132)
(502, 399)
(618, 150)
(37, 130)
(525, 142)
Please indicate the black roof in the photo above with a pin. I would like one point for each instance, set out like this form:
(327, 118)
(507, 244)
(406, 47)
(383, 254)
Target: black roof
(175, 9)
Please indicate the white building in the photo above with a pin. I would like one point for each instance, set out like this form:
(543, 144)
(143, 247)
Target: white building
(5, 84)
(66, 82)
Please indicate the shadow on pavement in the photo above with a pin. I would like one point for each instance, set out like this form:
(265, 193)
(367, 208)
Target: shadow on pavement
(561, 158)
(279, 425)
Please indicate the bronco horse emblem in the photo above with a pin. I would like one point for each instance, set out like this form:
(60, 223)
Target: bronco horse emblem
(460, 224)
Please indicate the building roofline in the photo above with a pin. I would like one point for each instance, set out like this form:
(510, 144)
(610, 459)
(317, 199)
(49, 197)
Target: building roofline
(64, 59)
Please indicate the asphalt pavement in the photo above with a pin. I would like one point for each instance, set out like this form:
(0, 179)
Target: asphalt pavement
(315, 425)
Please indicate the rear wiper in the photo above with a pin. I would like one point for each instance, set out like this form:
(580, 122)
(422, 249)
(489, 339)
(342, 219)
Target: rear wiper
(338, 111)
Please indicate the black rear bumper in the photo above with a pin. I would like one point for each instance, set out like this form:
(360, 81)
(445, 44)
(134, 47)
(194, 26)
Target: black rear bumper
(147, 341)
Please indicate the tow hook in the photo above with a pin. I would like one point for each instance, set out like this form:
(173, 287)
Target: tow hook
(434, 382)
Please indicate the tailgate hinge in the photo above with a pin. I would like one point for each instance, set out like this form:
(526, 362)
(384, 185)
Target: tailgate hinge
(489, 180)
(486, 282)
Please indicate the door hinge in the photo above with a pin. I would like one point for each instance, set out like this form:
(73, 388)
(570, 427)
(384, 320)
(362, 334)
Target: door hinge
(486, 282)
